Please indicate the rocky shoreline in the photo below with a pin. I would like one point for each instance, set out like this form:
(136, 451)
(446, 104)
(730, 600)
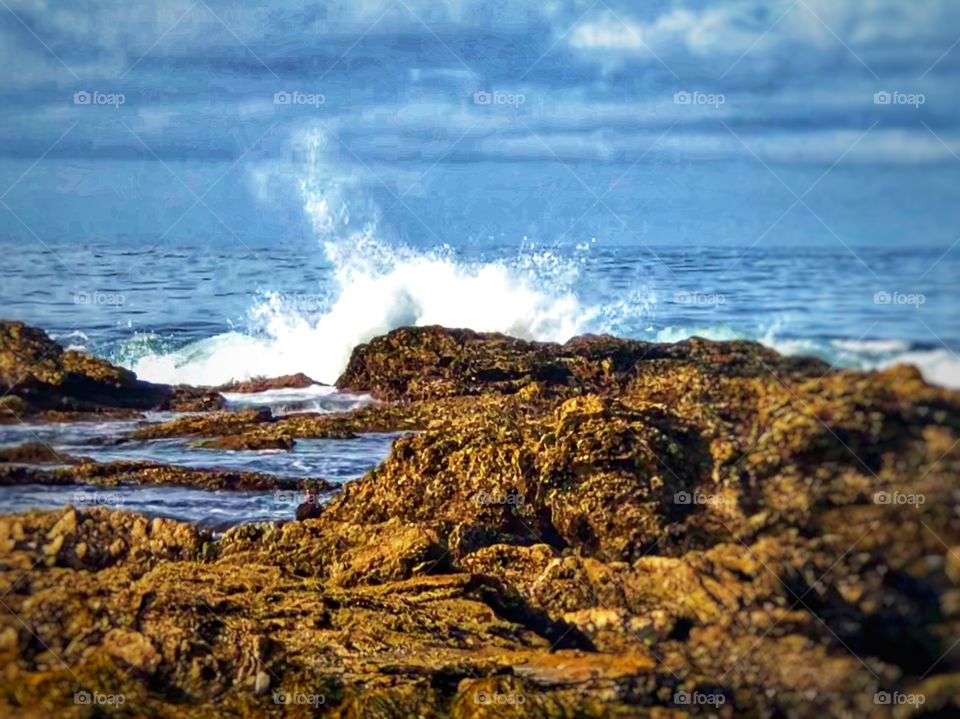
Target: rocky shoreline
(601, 528)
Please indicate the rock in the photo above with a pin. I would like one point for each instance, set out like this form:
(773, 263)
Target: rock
(213, 424)
(133, 650)
(54, 547)
(194, 399)
(428, 362)
(67, 524)
(262, 384)
(112, 474)
(310, 508)
(45, 378)
(12, 406)
(35, 453)
(593, 474)
(952, 567)
(600, 528)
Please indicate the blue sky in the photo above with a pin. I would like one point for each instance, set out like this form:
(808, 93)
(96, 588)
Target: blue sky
(390, 88)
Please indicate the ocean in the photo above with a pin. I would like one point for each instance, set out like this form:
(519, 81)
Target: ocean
(859, 289)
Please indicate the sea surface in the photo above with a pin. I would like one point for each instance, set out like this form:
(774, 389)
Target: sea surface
(334, 460)
(211, 314)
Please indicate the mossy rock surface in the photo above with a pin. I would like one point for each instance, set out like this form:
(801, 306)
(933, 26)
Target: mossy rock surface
(600, 528)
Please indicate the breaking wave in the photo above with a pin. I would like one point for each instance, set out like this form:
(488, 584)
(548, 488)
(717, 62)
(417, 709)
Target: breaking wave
(377, 289)
(375, 285)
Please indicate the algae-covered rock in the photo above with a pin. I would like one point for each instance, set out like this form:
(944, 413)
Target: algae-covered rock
(134, 472)
(46, 378)
(429, 362)
(261, 384)
(597, 529)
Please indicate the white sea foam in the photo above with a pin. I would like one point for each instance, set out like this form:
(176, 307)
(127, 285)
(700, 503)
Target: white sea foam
(376, 286)
(485, 298)
(377, 290)
(315, 398)
(939, 366)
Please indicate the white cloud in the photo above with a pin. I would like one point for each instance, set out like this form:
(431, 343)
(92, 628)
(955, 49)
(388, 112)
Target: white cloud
(783, 31)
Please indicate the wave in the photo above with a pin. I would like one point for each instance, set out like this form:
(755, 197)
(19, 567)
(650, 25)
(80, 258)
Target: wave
(431, 290)
(315, 398)
(376, 285)
(377, 289)
(939, 366)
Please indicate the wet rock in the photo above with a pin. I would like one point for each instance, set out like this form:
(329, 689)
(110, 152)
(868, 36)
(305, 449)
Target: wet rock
(125, 472)
(49, 380)
(193, 399)
(36, 453)
(310, 508)
(415, 363)
(262, 384)
(258, 427)
(601, 528)
(213, 424)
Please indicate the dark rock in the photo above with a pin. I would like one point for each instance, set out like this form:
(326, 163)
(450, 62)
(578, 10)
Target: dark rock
(45, 378)
(112, 474)
(261, 384)
(601, 528)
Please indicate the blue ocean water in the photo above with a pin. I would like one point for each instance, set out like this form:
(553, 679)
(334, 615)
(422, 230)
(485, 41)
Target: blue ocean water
(208, 315)
(334, 460)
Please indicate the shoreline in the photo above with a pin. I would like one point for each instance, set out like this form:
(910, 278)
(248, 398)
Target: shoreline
(605, 527)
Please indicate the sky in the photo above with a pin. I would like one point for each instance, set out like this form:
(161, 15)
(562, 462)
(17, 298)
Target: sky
(127, 116)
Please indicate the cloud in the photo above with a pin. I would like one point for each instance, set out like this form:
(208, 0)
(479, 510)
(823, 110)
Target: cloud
(775, 33)
(200, 77)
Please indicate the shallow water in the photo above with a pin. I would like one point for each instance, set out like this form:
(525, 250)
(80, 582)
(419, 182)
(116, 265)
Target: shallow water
(315, 398)
(215, 509)
(335, 460)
